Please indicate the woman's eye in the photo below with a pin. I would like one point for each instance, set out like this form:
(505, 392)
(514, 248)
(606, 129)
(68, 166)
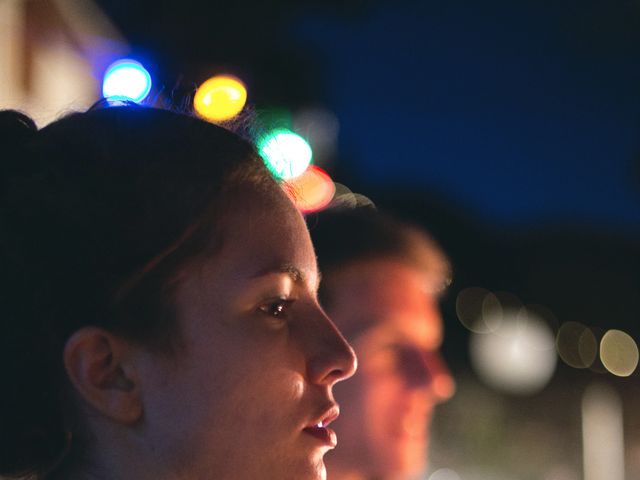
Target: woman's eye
(276, 308)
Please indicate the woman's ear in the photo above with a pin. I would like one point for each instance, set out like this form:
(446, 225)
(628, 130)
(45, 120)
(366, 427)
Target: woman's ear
(102, 369)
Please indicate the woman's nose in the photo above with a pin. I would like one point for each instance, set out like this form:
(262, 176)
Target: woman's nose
(330, 358)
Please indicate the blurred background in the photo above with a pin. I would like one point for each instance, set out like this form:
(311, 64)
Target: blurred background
(508, 129)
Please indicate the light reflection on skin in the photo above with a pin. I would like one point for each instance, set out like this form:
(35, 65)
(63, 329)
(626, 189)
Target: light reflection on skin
(392, 319)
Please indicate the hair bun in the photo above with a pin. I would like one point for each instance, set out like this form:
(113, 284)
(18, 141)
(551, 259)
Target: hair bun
(16, 130)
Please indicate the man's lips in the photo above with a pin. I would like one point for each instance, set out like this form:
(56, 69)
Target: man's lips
(319, 427)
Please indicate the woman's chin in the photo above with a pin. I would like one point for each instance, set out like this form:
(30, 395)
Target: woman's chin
(315, 470)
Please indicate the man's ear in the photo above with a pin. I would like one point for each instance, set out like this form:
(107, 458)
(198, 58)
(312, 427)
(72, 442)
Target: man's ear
(101, 368)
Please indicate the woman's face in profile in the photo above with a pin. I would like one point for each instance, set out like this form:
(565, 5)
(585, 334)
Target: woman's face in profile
(244, 397)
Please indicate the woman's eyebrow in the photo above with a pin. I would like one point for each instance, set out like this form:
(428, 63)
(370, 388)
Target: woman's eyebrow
(295, 273)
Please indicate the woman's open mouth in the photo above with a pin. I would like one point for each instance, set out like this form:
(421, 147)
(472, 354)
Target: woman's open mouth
(320, 428)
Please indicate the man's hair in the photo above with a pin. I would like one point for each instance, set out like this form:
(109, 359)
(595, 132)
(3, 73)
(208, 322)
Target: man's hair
(345, 237)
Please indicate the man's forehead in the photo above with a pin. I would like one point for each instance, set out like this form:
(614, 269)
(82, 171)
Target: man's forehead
(385, 284)
(383, 297)
(381, 273)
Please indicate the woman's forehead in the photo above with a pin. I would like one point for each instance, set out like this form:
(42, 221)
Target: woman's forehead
(264, 232)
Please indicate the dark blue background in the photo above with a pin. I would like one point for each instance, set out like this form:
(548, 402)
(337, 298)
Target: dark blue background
(523, 112)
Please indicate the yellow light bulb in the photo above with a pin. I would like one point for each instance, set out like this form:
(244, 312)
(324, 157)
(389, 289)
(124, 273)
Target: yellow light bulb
(220, 98)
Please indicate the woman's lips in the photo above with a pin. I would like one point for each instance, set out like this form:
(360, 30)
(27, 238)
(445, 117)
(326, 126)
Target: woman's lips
(320, 427)
(324, 434)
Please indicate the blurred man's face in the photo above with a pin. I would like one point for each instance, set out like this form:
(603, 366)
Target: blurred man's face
(393, 322)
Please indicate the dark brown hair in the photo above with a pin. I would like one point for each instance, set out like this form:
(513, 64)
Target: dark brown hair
(344, 236)
(98, 212)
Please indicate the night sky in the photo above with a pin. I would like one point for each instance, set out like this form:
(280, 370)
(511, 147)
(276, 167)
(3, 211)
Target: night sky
(525, 113)
(522, 113)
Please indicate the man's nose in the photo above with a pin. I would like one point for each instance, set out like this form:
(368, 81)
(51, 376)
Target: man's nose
(426, 369)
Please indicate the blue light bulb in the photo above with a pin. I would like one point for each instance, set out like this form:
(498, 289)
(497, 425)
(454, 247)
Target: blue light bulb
(126, 80)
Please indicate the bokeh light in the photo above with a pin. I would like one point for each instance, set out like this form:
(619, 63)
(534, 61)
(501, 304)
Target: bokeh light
(345, 198)
(320, 127)
(602, 434)
(519, 356)
(363, 201)
(311, 191)
(126, 79)
(544, 313)
(482, 311)
(444, 474)
(577, 345)
(220, 98)
(285, 153)
(491, 315)
(469, 308)
(619, 353)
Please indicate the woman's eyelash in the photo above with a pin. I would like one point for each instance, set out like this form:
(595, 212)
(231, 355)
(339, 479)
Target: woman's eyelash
(276, 308)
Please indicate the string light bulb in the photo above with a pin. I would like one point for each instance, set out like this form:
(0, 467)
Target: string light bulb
(126, 79)
(220, 98)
